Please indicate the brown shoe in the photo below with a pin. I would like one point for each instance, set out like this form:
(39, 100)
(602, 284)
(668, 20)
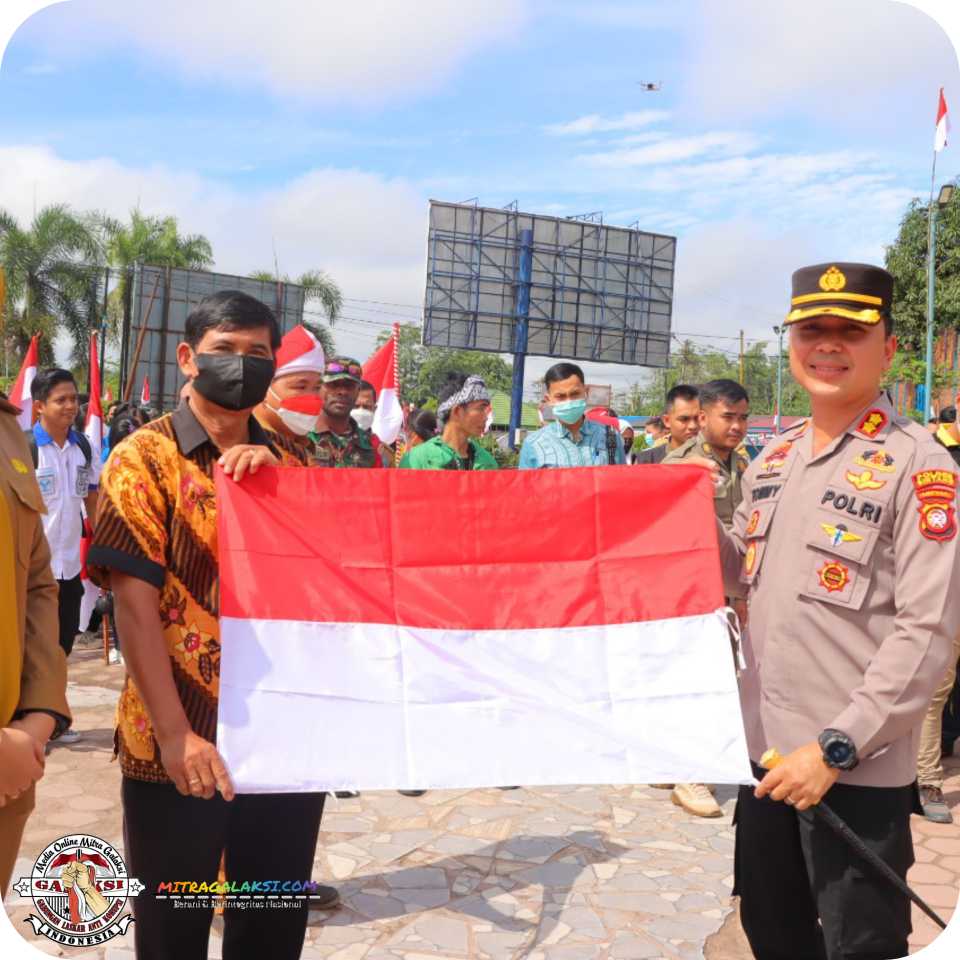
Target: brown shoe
(697, 799)
(934, 805)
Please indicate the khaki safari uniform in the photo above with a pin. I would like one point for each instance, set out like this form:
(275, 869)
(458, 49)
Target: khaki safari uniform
(33, 668)
(728, 492)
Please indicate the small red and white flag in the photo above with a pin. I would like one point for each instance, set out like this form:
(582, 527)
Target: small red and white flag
(20, 394)
(108, 395)
(93, 431)
(382, 372)
(431, 648)
(145, 392)
(943, 124)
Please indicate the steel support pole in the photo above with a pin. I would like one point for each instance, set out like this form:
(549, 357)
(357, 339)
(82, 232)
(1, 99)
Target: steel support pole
(779, 377)
(524, 274)
(931, 270)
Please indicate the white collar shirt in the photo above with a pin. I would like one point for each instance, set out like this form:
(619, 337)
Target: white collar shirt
(64, 480)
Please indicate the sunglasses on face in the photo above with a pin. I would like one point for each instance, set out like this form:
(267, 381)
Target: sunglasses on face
(354, 369)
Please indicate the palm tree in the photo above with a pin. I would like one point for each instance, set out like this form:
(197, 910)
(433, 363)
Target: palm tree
(317, 285)
(51, 276)
(152, 240)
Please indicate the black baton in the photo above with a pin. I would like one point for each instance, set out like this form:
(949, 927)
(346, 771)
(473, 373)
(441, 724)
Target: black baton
(826, 813)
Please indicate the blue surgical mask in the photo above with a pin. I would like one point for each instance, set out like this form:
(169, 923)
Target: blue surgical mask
(570, 411)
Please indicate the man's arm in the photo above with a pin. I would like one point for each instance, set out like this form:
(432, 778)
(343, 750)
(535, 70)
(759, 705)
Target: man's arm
(43, 678)
(187, 757)
(528, 457)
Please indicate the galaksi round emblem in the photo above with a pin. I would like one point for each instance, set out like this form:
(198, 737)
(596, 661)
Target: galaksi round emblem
(79, 886)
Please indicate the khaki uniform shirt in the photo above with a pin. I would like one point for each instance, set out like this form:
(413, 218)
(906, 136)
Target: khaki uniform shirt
(34, 668)
(729, 491)
(850, 557)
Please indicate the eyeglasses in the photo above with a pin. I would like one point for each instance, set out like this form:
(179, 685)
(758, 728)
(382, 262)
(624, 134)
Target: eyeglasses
(354, 369)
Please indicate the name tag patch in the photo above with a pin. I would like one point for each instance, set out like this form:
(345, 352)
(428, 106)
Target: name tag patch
(852, 505)
(47, 481)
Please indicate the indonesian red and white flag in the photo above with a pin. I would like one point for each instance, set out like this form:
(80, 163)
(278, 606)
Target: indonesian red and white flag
(145, 392)
(382, 372)
(943, 124)
(93, 431)
(445, 629)
(20, 394)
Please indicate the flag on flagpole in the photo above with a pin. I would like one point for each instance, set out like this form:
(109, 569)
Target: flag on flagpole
(432, 648)
(943, 124)
(20, 394)
(93, 431)
(382, 371)
(145, 392)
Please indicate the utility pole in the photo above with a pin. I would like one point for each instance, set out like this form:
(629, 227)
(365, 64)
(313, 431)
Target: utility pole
(741, 357)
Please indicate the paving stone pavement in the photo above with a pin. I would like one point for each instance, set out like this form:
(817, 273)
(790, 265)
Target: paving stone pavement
(559, 873)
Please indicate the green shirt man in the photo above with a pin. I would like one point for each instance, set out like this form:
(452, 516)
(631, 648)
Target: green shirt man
(434, 454)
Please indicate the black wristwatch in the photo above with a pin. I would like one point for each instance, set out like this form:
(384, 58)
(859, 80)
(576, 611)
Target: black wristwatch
(839, 751)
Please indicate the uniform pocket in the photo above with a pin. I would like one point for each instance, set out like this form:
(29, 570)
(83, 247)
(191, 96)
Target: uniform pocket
(29, 509)
(833, 578)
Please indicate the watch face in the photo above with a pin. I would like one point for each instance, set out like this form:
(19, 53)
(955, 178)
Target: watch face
(838, 752)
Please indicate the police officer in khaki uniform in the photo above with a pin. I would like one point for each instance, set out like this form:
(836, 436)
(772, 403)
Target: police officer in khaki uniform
(33, 668)
(724, 412)
(847, 539)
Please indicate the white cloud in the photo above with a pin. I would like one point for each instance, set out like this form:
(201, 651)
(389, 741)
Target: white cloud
(367, 231)
(367, 50)
(673, 149)
(595, 123)
(845, 64)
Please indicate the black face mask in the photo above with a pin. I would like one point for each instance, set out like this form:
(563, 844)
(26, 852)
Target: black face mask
(232, 381)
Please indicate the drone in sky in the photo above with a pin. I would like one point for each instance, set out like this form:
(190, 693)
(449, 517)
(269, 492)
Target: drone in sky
(650, 86)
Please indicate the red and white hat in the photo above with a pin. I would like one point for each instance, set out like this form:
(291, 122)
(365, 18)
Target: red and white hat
(299, 352)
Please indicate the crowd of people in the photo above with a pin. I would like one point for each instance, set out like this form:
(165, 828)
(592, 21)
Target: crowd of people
(837, 547)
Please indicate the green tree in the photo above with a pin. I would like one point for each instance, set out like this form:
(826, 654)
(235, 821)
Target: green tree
(51, 277)
(318, 286)
(423, 370)
(906, 259)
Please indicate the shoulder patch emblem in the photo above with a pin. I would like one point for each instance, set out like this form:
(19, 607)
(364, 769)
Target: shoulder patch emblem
(839, 534)
(833, 576)
(777, 457)
(876, 460)
(864, 480)
(936, 490)
(872, 423)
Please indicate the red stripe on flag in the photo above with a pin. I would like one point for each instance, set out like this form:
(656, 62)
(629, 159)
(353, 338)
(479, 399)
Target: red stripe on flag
(478, 551)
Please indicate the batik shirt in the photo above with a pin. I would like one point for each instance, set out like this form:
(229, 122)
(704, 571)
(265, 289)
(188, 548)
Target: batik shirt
(157, 521)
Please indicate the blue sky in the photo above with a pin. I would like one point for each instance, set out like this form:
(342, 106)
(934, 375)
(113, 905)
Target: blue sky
(783, 133)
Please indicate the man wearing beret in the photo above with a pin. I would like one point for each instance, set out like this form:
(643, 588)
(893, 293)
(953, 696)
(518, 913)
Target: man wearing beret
(847, 541)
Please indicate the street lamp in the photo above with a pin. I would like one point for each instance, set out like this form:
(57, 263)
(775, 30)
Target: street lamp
(779, 332)
(946, 195)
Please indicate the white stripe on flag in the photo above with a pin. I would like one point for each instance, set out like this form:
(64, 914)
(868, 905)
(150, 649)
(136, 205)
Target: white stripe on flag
(398, 707)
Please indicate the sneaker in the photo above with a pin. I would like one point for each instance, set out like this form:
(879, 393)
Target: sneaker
(324, 898)
(934, 805)
(411, 793)
(346, 794)
(114, 656)
(697, 799)
(69, 736)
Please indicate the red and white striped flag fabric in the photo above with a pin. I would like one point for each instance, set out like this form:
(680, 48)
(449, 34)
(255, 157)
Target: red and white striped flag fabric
(438, 629)
(145, 392)
(20, 394)
(381, 371)
(93, 431)
(943, 124)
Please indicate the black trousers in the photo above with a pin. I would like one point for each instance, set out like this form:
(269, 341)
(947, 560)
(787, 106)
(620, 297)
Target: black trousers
(805, 895)
(169, 837)
(71, 593)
